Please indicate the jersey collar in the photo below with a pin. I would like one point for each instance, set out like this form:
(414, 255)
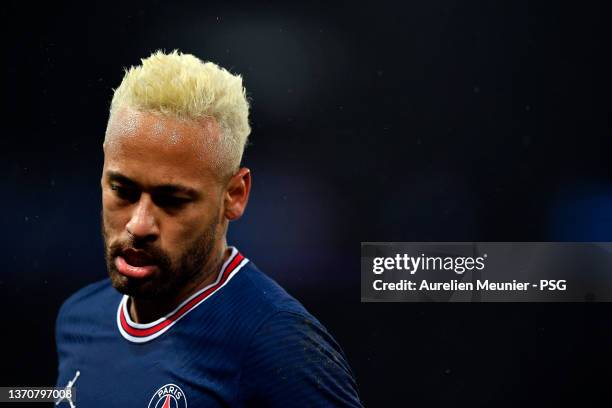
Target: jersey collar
(141, 333)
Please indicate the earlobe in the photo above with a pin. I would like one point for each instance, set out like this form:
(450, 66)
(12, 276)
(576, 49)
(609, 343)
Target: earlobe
(237, 194)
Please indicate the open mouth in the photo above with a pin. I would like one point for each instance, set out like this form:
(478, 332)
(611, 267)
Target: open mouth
(135, 264)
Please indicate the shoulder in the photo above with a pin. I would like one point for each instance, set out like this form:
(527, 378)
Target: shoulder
(85, 314)
(267, 292)
(285, 316)
(88, 301)
(277, 309)
(258, 298)
(293, 361)
(291, 356)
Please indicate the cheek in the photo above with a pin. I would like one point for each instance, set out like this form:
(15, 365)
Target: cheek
(190, 228)
(186, 231)
(114, 217)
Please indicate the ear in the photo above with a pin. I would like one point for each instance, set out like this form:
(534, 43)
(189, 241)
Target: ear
(237, 194)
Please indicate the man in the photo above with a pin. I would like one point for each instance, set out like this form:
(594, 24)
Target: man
(186, 320)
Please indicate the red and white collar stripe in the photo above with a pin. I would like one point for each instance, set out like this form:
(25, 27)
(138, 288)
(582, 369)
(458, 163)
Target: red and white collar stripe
(141, 333)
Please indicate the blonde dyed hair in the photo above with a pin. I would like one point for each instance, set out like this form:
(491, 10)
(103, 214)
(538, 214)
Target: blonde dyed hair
(185, 87)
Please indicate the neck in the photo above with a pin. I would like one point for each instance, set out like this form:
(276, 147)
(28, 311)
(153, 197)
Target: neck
(146, 310)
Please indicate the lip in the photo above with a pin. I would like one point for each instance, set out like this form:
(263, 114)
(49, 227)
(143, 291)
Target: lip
(131, 271)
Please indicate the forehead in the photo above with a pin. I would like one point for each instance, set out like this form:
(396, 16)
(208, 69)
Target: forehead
(152, 148)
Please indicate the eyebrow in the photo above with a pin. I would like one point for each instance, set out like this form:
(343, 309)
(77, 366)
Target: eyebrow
(163, 189)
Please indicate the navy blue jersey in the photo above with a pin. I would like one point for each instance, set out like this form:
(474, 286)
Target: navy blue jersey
(241, 341)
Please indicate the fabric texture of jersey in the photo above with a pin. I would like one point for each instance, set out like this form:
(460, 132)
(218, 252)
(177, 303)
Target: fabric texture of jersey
(241, 341)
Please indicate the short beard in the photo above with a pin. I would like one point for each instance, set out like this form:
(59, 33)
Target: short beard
(171, 277)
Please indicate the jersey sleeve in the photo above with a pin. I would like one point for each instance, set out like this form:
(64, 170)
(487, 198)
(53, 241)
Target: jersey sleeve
(293, 361)
(62, 342)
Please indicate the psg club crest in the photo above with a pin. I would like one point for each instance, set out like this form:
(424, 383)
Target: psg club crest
(168, 396)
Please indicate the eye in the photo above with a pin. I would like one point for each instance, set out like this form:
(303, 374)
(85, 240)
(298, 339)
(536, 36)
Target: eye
(125, 193)
(170, 201)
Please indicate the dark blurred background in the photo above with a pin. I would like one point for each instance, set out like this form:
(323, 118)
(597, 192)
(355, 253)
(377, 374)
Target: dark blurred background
(372, 121)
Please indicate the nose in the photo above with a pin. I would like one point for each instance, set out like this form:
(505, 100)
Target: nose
(143, 224)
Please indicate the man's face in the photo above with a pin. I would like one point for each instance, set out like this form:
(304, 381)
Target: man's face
(162, 202)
